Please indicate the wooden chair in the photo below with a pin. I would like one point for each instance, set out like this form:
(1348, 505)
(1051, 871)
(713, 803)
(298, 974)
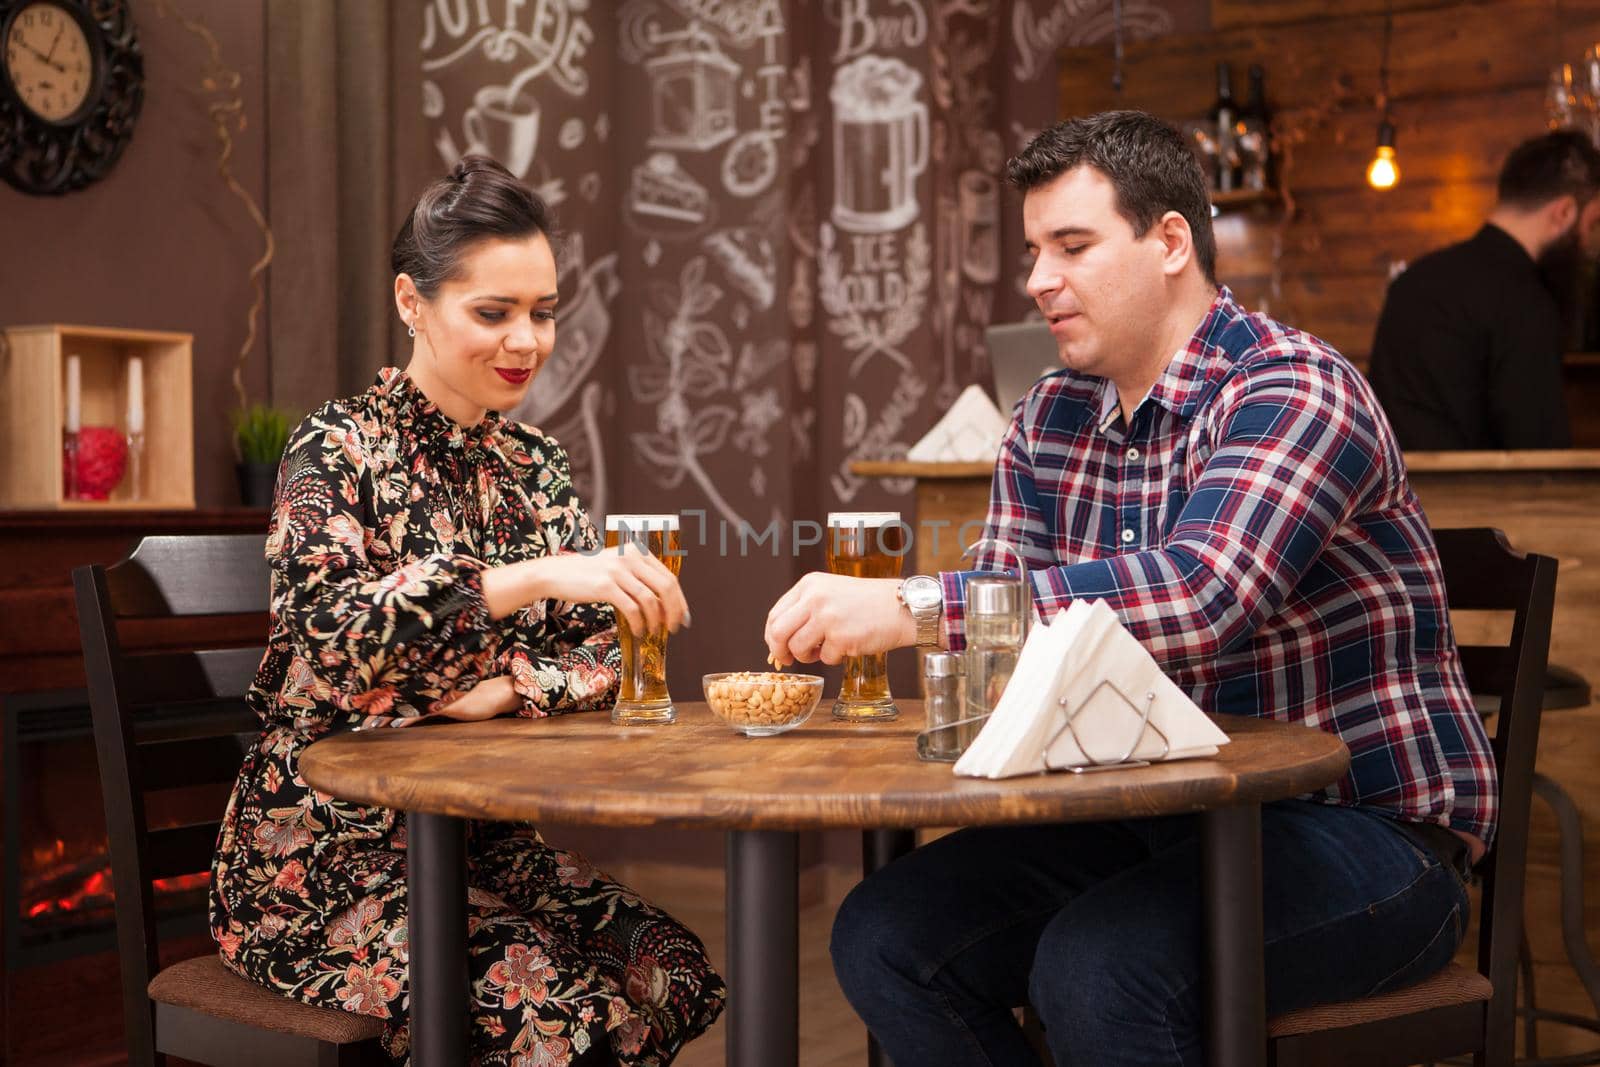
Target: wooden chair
(1462, 1011)
(175, 719)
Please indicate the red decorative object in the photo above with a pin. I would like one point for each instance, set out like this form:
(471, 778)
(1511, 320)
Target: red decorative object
(102, 459)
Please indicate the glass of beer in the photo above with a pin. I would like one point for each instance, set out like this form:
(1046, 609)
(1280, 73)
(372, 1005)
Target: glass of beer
(643, 699)
(865, 544)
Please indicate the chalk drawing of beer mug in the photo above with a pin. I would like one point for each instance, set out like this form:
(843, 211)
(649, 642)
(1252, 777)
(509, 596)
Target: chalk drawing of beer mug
(503, 124)
(880, 132)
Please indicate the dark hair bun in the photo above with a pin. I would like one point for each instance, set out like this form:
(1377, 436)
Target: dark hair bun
(478, 199)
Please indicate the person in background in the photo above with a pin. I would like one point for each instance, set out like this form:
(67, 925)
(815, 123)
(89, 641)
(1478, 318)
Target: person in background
(1228, 486)
(1467, 353)
(430, 557)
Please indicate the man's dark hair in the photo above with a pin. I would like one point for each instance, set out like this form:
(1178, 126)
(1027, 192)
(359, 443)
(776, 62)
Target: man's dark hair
(477, 200)
(1560, 163)
(1148, 163)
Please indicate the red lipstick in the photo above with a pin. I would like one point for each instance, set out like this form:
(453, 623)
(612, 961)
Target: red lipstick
(515, 377)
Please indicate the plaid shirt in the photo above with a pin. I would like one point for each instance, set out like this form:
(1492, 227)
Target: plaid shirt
(1254, 528)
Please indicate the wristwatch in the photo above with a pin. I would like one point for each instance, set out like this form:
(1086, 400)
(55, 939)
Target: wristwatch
(923, 596)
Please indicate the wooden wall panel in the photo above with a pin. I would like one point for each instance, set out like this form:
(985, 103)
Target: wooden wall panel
(1467, 82)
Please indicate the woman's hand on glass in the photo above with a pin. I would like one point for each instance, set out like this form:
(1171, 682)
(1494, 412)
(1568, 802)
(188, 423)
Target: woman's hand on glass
(637, 584)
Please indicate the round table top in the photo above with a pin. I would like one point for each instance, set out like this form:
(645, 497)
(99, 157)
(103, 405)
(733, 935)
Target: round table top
(698, 772)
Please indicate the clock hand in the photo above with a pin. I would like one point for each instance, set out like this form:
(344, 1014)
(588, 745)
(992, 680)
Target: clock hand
(50, 54)
(44, 58)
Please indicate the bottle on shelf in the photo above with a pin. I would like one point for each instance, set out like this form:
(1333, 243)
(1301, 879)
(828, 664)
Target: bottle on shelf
(1254, 134)
(1224, 115)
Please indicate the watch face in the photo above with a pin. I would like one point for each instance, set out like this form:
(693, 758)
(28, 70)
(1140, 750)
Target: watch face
(922, 592)
(48, 61)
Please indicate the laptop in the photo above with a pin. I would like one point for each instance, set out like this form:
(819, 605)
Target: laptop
(1019, 354)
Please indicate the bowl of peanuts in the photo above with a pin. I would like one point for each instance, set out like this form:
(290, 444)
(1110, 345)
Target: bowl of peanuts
(762, 703)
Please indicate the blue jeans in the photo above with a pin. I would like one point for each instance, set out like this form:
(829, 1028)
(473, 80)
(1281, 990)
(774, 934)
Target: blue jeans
(1099, 927)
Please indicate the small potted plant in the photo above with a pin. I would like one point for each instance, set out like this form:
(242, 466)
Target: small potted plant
(260, 434)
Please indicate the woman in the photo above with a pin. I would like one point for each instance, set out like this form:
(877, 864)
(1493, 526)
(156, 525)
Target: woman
(427, 559)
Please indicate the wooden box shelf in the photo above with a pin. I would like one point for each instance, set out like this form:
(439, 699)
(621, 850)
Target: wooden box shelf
(33, 374)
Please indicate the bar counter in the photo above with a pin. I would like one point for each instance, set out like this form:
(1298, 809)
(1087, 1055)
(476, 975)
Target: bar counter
(1545, 501)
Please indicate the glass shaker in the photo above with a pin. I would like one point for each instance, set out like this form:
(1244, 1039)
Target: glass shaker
(941, 697)
(998, 607)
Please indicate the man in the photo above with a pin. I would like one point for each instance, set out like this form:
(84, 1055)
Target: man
(1468, 348)
(1230, 488)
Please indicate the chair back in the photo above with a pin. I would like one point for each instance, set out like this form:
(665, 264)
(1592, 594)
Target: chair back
(1483, 573)
(170, 716)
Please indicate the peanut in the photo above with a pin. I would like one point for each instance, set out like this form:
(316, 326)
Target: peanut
(753, 698)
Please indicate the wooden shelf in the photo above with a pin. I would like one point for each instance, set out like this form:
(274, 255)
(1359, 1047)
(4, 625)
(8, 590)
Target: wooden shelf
(33, 404)
(1243, 198)
(865, 468)
(1546, 459)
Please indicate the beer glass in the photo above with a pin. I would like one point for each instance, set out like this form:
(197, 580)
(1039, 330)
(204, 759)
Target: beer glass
(865, 544)
(643, 699)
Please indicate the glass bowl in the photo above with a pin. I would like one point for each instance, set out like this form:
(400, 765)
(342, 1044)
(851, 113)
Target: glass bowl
(760, 704)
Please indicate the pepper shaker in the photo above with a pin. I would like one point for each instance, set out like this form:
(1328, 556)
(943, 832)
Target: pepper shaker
(941, 696)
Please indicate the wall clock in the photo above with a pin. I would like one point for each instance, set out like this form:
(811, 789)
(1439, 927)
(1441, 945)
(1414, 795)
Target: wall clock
(71, 84)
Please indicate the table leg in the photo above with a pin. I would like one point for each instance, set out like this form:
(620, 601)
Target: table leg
(1235, 949)
(879, 848)
(763, 948)
(436, 881)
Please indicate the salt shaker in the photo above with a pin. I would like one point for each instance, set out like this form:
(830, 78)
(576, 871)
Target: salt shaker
(941, 697)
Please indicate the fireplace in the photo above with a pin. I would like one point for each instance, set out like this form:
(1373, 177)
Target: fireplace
(58, 895)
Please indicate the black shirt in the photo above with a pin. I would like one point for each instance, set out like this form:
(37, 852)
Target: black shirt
(1468, 350)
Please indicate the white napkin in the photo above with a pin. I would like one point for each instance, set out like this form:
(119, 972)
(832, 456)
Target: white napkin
(970, 432)
(1079, 649)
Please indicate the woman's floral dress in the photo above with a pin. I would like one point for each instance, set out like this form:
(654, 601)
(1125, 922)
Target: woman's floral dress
(387, 513)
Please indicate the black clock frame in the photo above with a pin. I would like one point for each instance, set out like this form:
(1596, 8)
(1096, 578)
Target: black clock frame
(44, 157)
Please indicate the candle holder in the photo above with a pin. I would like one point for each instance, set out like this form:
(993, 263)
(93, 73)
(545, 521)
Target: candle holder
(101, 460)
(96, 417)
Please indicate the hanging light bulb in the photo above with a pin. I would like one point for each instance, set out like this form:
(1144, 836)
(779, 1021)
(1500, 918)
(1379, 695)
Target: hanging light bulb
(1384, 171)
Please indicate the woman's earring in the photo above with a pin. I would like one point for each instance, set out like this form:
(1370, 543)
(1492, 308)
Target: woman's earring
(411, 330)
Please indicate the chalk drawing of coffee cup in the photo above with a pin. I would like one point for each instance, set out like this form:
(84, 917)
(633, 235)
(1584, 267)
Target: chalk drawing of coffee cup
(503, 123)
(880, 144)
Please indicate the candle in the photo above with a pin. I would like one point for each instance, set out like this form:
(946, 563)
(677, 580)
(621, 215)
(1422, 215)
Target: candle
(135, 395)
(73, 378)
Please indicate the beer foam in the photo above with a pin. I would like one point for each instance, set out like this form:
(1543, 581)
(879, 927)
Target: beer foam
(869, 519)
(874, 89)
(642, 523)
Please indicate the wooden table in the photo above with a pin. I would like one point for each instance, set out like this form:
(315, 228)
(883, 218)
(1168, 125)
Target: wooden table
(822, 776)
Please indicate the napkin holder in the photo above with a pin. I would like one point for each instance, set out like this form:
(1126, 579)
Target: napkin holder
(1086, 695)
(1141, 708)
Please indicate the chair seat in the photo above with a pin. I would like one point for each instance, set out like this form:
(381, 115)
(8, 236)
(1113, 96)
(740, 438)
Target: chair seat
(1453, 985)
(203, 984)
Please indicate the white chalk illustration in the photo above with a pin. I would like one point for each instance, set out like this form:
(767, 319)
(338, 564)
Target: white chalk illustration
(1039, 29)
(978, 202)
(746, 256)
(572, 134)
(692, 91)
(553, 36)
(689, 363)
(751, 163)
(880, 144)
(663, 189)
